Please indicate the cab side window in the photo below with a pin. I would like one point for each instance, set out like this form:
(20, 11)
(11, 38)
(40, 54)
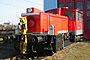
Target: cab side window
(70, 14)
(78, 16)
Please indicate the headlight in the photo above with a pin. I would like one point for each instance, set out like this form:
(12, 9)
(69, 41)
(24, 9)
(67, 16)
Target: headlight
(29, 10)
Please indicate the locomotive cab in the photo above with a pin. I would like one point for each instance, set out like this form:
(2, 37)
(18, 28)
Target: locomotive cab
(75, 22)
(75, 19)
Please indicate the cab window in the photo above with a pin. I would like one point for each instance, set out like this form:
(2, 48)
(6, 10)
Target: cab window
(70, 14)
(53, 12)
(78, 16)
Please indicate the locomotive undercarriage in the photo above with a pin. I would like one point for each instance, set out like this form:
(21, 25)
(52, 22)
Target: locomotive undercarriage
(78, 38)
(43, 44)
(46, 41)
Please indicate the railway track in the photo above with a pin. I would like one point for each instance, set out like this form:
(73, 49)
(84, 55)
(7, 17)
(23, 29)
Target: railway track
(43, 57)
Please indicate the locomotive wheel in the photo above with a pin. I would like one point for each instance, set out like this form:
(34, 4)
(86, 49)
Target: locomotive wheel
(32, 40)
(81, 39)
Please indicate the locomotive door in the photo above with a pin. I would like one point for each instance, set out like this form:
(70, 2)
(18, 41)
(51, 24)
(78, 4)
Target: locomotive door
(71, 26)
(71, 21)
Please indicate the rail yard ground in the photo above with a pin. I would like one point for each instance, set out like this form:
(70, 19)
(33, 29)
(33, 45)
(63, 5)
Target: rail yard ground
(79, 52)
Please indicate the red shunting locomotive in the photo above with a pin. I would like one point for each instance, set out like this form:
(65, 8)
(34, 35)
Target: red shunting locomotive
(51, 30)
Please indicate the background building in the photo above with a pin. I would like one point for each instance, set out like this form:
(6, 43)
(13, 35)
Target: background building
(50, 4)
(82, 5)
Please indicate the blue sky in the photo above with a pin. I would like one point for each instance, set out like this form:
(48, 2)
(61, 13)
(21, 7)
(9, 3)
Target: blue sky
(10, 10)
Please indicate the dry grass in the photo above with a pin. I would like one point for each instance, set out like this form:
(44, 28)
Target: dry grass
(78, 52)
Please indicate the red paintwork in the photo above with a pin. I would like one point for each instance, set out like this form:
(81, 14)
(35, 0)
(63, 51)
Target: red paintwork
(43, 21)
(58, 11)
(86, 33)
(40, 23)
(60, 23)
(72, 24)
(35, 23)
